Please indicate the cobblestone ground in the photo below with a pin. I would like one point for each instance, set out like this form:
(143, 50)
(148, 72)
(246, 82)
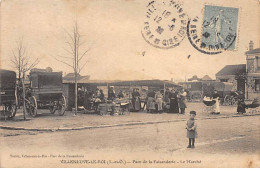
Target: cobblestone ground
(223, 142)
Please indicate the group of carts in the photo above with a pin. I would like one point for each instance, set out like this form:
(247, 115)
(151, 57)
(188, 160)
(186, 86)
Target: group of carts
(45, 92)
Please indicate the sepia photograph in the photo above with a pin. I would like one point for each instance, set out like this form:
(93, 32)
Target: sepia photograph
(129, 84)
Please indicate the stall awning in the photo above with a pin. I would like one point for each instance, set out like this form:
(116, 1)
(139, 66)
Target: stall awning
(153, 83)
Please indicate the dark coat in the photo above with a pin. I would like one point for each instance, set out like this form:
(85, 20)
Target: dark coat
(174, 107)
(241, 106)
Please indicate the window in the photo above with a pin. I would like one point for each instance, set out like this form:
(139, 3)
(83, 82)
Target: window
(224, 80)
(258, 62)
(34, 81)
(257, 85)
(250, 65)
(49, 80)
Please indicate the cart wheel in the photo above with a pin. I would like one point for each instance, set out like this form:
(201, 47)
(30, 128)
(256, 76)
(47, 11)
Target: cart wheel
(12, 110)
(33, 107)
(52, 109)
(62, 106)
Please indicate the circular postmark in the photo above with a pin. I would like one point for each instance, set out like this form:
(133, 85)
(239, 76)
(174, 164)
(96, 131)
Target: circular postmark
(194, 27)
(165, 24)
(217, 32)
(219, 28)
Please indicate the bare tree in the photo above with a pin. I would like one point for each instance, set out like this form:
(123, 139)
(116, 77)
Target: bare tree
(75, 56)
(22, 62)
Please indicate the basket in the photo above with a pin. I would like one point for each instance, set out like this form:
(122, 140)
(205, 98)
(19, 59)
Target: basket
(209, 103)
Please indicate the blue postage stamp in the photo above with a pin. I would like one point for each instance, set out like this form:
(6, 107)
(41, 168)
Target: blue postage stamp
(220, 27)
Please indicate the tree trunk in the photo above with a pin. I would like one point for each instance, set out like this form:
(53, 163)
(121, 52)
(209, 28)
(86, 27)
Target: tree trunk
(23, 98)
(76, 94)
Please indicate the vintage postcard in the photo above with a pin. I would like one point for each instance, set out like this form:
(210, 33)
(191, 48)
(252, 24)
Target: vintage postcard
(129, 83)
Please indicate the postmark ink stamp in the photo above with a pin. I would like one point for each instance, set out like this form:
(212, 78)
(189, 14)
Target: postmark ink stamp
(194, 28)
(219, 30)
(165, 24)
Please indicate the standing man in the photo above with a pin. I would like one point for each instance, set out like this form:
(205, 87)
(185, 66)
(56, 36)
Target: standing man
(111, 93)
(182, 101)
(87, 100)
(120, 94)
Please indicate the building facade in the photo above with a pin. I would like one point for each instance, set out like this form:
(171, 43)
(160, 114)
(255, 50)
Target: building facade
(253, 72)
(235, 74)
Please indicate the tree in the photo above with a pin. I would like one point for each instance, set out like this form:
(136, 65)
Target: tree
(22, 62)
(75, 57)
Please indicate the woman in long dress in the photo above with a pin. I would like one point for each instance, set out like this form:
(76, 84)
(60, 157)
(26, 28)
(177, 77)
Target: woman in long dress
(241, 107)
(150, 99)
(159, 101)
(136, 100)
(182, 101)
(216, 105)
(174, 107)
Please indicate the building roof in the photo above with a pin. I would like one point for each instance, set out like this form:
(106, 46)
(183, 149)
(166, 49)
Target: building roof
(206, 78)
(70, 75)
(126, 83)
(69, 78)
(194, 78)
(145, 83)
(232, 70)
(253, 51)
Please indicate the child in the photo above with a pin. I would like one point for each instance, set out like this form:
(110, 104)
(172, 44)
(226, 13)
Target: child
(191, 129)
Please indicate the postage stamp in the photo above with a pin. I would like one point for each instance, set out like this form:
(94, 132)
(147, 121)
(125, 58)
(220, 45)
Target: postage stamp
(165, 24)
(194, 36)
(220, 25)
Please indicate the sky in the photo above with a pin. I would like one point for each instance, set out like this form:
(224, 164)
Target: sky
(112, 31)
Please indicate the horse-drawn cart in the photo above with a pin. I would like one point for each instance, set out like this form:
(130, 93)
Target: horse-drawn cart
(8, 97)
(227, 96)
(45, 92)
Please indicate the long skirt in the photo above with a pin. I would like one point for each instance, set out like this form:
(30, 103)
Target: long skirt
(241, 107)
(216, 107)
(152, 106)
(137, 104)
(182, 103)
(174, 107)
(159, 103)
(149, 101)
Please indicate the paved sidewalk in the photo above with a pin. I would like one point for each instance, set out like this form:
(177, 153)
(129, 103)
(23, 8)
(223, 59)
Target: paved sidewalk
(49, 122)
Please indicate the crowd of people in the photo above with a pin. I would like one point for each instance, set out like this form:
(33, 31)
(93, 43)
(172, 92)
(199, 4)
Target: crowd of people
(171, 101)
(155, 101)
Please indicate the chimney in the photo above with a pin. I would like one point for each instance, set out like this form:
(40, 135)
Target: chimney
(251, 45)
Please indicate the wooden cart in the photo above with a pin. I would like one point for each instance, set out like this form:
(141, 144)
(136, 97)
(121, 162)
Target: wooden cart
(8, 97)
(45, 92)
